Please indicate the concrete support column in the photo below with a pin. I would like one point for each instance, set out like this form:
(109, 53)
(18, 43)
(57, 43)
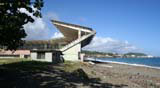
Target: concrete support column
(82, 57)
(79, 33)
(21, 56)
(34, 55)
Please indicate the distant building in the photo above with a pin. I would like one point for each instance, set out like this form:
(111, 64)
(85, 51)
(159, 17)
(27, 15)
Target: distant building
(15, 54)
(66, 48)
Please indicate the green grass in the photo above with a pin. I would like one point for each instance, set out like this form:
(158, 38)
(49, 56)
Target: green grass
(23, 73)
(11, 60)
(70, 66)
(25, 65)
(29, 65)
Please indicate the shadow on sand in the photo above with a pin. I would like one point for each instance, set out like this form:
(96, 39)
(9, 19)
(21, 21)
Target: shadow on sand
(31, 74)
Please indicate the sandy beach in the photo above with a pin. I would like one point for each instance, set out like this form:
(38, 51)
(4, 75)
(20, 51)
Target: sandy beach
(127, 75)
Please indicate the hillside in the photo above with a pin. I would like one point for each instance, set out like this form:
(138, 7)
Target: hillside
(135, 54)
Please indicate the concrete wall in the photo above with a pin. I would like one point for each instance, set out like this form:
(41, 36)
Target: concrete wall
(72, 53)
(34, 55)
(48, 56)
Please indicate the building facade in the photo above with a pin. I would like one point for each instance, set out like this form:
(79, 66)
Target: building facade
(66, 48)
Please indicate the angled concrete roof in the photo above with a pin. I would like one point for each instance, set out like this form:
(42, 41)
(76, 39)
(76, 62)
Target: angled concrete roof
(69, 24)
(70, 31)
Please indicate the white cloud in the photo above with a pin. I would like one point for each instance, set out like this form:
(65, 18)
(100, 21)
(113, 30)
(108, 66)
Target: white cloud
(38, 30)
(57, 35)
(107, 44)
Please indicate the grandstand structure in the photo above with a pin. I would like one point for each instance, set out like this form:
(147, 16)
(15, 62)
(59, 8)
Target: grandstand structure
(60, 49)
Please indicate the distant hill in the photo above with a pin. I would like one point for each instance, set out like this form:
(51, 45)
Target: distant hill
(96, 52)
(136, 54)
(113, 55)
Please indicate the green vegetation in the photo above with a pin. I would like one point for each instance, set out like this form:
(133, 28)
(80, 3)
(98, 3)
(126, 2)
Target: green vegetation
(12, 20)
(29, 65)
(96, 52)
(92, 52)
(71, 66)
(23, 65)
(14, 60)
(114, 55)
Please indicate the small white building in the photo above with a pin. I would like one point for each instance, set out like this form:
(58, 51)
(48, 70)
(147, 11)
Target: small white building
(46, 55)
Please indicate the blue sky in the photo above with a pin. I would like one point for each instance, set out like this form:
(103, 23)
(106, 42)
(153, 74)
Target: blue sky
(134, 21)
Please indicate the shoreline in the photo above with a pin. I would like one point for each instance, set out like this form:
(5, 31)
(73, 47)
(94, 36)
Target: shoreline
(133, 76)
(136, 65)
(121, 63)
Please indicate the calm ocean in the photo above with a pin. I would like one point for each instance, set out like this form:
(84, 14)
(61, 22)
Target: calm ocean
(153, 63)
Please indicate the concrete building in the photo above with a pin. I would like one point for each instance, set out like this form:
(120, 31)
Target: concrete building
(77, 36)
(66, 48)
(14, 54)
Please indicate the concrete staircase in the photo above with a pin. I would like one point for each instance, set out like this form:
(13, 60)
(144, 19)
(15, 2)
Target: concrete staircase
(78, 40)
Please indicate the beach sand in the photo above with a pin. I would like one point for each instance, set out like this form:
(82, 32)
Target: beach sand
(127, 75)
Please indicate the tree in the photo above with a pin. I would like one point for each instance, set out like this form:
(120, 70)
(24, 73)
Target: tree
(12, 20)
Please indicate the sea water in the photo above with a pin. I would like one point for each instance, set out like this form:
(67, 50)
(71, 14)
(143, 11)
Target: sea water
(146, 62)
